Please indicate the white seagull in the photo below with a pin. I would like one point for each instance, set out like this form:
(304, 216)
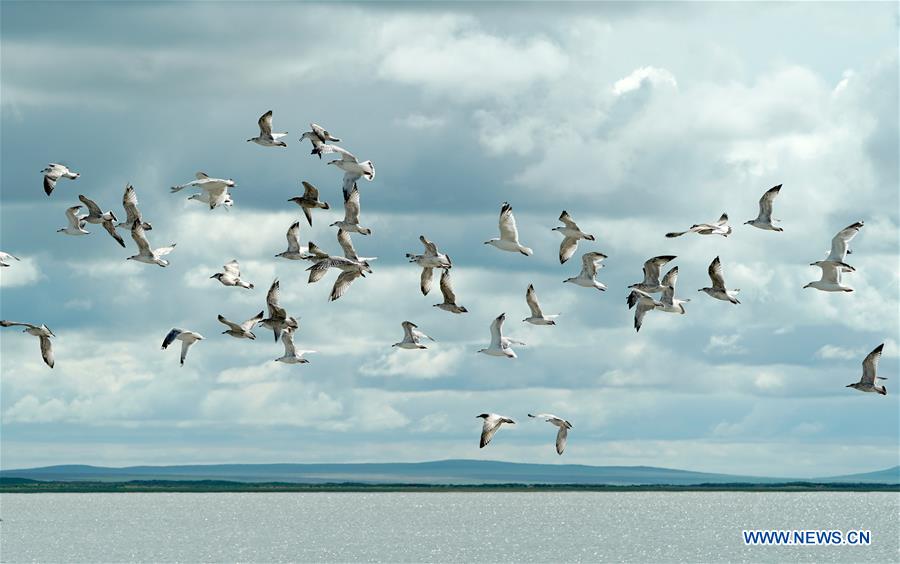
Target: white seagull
(350, 223)
(411, 337)
(145, 253)
(99, 217)
(870, 366)
(54, 172)
(590, 263)
(350, 265)
(831, 276)
(429, 260)
(718, 289)
(719, 227)
(187, 339)
(571, 234)
(764, 219)
(563, 432)
(241, 330)
(132, 213)
(232, 276)
(644, 302)
(449, 303)
(651, 284)
(319, 138)
(840, 244)
(353, 169)
(4, 258)
(537, 317)
(492, 423)
(278, 319)
(266, 138)
(670, 304)
(294, 250)
(500, 345)
(509, 235)
(215, 190)
(40, 331)
(76, 222)
(309, 201)
(291, 354)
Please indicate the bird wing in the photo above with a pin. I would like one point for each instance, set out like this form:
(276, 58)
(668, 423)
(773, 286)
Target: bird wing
(490, 426)
(723, 219)
(589, 263)
(430, 248)
(293, 237)
(5, 323)
(72, 216)
(318, 270)
(350, 179)
(272, 296)
(831, 271)
(508, 231)
(567, 220)
(287, 338)
(265, 124)
(130, 202)
(841, 242)
(351, 207)
(425, 280)
(497, 331)
(765, 203)
(669, 281)
(231, 325)
(111, 229)
(715, 274)
(652, 266)
(344, 153)
(567, 248)
(561, 437)
(408, 335)
(447, 288)
(163, 251)
(173, 334)
(140, 239)
(185, 345)
(870, 365)
(232, 268)
(310, 192)
(643, 306)
(342, 283)
(47, 351)
(533, 305)
(92, 206)
(201, 176)
(316, 251)
(248, 325)
(346, 244)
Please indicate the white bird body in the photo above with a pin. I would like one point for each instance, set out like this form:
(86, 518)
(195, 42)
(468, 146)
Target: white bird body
(54, 172)
(187, 339)
(562, 434)
(587, 278)
(870, 367)
(5, 258)
(411, 337)
(831, 276)
(500, 345)
(431, 259)
(492, 422)
(42, 332)
(764, 220)
(537, 316)
(718, 289)
(241, 330)
(571, 235)
(76, 222)
(350, 223)
(309, 201)
(145, 253)
(291, 354)
(651, 283)
(353, 169)
(719, 227)
(215, 190)
(231, 276)
(509, 234)
(449, 303)
(266, 138)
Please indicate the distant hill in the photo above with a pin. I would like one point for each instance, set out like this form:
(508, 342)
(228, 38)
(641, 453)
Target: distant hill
(462, 472)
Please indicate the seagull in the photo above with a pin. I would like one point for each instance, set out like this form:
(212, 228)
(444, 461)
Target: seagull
(187, 339)
(831, 276)
(42, 332)
(651, 283)
(309, 201)
(644, 302)
(353, 169)
(430, 260)
(670, 304)
(76, 222)
(350, 264)
(294, 250)
(500, 345)
(319, 138)
(411, 336)
(145, 253)
(840, 244)
(563, 432)
(449, 303)
(537, 316)
(571, 234)
(718, 290)
(215, 190)
(241, 330)
(590, 263)
(266, 138)
(4, 258)
(278, 319)
(54, 172)
(492, 422)
(96, 216)
(867, 382)
(132, 213)
(232, 276)
(509, 235)
(350, 222)
(764, 219)
(720, 227)
(291, 354)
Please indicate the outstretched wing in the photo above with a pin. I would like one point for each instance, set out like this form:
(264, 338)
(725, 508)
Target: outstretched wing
(447, 288)
(111, 229)
(231, 325)
(841, 242)
(430, 248)
(567, 248)
(589, 263)
(508, 230)
(47, 351)
(531, 299)
(561, 437)
(567, 220)
(342, 283)
(765, 203)
(310, 192)
(92, 206)
(351, 206)
(715, 274)
(652, 266)
(870, 365)
(287, 338)
(723, 219)
(346, 244)
(497, 331)
(232, 268)
(140, 239)
(170, 338)
(265, 124)
(130, 202)
(272, 297)
(293, 237)
(248, 325)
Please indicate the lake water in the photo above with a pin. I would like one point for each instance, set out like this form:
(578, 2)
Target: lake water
(437, 527)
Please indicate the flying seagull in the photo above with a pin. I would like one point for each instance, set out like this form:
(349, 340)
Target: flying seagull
(278, 319)
(187, 339)
(4, 258)
(500, 345)
(718, 289)
(319, 138)
(291, 354)
(830, 280)
(145, 253)
(840, 244)
(350, 265)
(764, 219)
(350, 223)
(492, 422)
(642, 302)
(670, 304)
(241, 330)
(309, 201)
(411, 337)
(870, 366)
(651, 284)
(449, 303)
(76, 222)
(294, 250)
(54, 172)
(215, 190)
(353, 169)
(571, 234)
(720, 227)
(132, 213)
(563, 432)
(266, 138)
(509, 235)
(98, 217)
(537, 317)
(590, 263)
(232, 276)
(42, 332)
(431, 259)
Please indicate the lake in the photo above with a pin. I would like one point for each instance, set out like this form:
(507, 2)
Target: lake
(438, 527)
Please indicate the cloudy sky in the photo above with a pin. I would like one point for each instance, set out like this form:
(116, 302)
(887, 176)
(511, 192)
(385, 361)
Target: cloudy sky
(637, 119)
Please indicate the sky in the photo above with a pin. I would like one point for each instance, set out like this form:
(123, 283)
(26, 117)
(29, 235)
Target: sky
(638, 119)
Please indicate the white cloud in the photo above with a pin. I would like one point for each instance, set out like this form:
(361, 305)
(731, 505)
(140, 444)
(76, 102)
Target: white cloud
(724, 344)
(427, 363)
(637, 77)
(20, 273)
(836, 352)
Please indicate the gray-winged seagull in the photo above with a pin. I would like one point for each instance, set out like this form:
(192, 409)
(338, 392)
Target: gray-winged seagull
(765, 220)
(719, 227)
(500, 345)
(587, 278)
(491, 424)
(449, 303)
(509, 234)
(145, 253)
(537, 316)
(98, 217)
(266, 138)
(429, 260)
(241, 330)
(187, 339)
(42, 332)
(571, 234)
(411, 337)
(870, 366)
(718, 289)
(54, 172)
(309, 201)
(562, 434)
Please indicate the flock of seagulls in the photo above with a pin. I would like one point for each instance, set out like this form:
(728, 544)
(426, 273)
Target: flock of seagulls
(216, 192)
